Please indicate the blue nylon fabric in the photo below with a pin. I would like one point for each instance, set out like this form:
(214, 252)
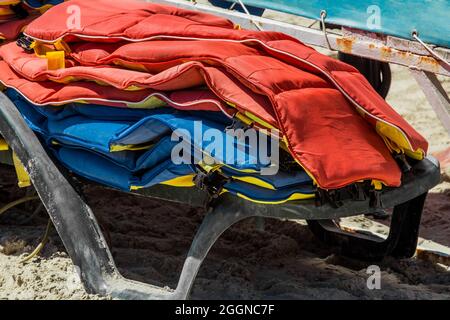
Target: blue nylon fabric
(279, 181)
(98, 128)
(94, 167)
(267, 195)
(80, 135)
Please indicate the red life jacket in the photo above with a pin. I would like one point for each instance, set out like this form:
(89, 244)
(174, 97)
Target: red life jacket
(46, 93)
(332, 120)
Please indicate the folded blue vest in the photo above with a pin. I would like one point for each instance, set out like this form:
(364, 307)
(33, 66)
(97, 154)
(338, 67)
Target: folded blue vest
(129, 149)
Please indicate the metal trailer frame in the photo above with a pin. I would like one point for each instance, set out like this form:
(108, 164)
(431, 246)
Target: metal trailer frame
(88, 249)
(374, 46)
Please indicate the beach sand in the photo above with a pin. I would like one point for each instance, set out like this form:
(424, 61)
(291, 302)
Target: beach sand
(150, 239)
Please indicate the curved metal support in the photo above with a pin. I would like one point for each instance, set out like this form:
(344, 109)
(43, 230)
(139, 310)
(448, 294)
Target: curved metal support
(88, 248)
(216, 222)
(401, 242)
(72, 217)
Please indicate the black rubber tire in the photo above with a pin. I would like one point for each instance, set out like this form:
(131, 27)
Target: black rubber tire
(376, 72)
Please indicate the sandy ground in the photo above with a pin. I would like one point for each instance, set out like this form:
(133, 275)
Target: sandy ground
(149, 240)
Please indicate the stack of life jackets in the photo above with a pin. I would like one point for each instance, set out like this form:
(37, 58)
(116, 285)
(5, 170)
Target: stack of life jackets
(107, 92)
(16, 14)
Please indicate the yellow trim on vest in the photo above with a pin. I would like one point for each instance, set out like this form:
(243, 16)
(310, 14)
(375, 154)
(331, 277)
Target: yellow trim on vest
(391, 145)
(209, 168)
(240, 170)
(249, 119)
(134, 88)
(255, 181)
(293, 197)
(259, 120)
(9, 3)
(184, 181)
(3, 145)
(22, 176)
(399, 139)
(60, 45)
(44, 8)
(243, 118)
(131, 65)
(6, 11)
(417, 155)
(129, 147)
(150, 103)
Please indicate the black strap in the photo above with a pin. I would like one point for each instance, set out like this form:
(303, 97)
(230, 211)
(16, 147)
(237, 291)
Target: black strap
(25, 43)
(211, 182)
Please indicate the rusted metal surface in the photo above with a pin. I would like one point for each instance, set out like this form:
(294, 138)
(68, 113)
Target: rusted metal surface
(345, 44)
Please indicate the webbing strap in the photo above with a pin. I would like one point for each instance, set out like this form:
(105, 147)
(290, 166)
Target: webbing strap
(3, 145)
(22, 176)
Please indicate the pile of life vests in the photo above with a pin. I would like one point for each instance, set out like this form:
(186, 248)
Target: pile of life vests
(121, 91)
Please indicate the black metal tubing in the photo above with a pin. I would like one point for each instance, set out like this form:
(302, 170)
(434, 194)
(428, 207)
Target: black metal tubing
(82, 237)
(401, 242)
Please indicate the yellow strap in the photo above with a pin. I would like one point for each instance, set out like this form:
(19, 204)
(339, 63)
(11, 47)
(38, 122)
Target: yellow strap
(56, 60)
(396, 136)
(129, 147)
(3, 145)
(255, 181)
(22, 176)
(44, 8)
(41, 49)
(378, 185)
(10, 3)
(62, 46)
(183, 181)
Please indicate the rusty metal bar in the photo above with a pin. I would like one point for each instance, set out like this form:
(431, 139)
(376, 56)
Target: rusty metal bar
(435, 94)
